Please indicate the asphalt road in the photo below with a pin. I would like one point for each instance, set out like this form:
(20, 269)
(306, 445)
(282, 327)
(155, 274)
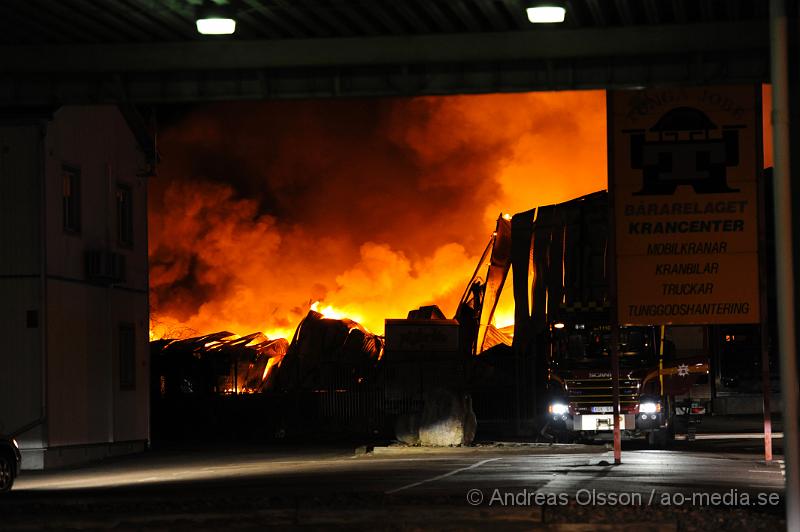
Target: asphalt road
(506, 486)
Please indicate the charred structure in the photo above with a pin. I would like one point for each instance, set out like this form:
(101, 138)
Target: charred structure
(222, 384)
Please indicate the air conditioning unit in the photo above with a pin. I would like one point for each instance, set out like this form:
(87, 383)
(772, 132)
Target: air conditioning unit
(103, 266)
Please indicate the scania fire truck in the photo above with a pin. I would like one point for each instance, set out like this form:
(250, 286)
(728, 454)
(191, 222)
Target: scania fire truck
(664, 371)
(656, 389)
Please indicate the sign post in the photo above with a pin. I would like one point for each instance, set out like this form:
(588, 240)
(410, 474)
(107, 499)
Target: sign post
(615, 392)
(613, 291)
(766, 381)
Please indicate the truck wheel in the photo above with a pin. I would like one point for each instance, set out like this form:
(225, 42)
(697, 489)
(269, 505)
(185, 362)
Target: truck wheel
(661, 438)
(7, 467)
(680, 424)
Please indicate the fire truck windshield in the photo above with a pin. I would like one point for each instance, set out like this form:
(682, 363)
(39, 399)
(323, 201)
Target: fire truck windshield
(577, 347)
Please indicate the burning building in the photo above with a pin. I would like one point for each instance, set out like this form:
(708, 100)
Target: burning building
(370, 207)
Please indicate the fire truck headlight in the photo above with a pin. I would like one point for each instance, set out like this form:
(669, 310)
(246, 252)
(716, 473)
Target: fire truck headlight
(649, 408)
(558, 409)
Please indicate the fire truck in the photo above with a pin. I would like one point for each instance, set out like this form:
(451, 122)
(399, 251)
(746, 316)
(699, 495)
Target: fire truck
(664, 371)
(657, 390)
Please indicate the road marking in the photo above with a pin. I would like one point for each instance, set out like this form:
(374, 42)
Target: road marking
(729, 436)
(439, 477)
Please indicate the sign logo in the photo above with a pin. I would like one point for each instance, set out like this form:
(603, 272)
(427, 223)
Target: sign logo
(686, 151)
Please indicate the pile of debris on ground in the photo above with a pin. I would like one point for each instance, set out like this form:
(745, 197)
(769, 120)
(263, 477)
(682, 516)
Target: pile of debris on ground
(219, 363)
(334, 375)
(225, 363)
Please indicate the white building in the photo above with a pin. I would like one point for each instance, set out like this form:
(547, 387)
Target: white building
(74, 375)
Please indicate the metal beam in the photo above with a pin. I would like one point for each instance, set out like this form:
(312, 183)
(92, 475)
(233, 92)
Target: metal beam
(679, 11)
(164, 14)
(281, 23)
(574, 16)
(489, 11)
(516, 9)
(443, 22)
(651, 11)
(55, 27)
(408, 14)
(390, 22)
(597, 13)
(331, 15)
(643, 42)
(388, 80)
(356, 16)
(304, 20)
(784, 249)
(464, 15)
(81, 21)
(259, 27)
(108, 18)
(624, 10)
(732, 10)
(142, 17)
(706, 10)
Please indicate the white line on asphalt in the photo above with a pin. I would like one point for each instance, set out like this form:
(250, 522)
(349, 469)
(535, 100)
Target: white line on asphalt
(439, 477)
(562, 483)
(728, 436)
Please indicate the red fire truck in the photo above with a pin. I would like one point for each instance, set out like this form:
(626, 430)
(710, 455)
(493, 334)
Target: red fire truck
(664, 371)
(656, 388)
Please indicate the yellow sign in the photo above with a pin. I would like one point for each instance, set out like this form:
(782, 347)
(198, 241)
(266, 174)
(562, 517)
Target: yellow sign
(683, 174)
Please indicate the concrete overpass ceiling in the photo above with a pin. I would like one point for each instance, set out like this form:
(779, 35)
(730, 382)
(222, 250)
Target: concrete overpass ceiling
(93, 51)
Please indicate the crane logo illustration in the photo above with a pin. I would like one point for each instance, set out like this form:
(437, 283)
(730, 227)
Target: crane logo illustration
(684, 147)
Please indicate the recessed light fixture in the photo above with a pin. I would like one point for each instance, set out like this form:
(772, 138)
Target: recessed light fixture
(546, 13)
(215, 19)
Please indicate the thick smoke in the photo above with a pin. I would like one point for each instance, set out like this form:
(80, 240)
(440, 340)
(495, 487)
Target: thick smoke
(372, 206)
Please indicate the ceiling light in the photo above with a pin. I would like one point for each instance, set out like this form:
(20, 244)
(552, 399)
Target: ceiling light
(216, 26)
(215, 19)
(546, 13)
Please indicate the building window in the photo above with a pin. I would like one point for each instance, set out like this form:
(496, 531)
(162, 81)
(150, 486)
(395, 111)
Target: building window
(127, 356)
(124, 216)
(71, 199)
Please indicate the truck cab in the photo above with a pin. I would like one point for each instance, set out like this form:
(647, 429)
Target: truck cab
(654, 385)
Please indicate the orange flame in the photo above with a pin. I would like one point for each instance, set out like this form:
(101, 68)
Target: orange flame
(274, 361)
